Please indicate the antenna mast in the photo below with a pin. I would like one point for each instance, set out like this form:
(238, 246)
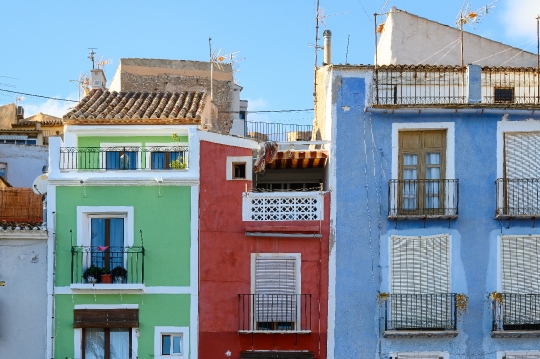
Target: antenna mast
(211, 71)
(91, 56)
(316, 50)
(538, 56)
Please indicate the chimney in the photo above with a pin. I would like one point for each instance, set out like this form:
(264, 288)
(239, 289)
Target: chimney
(474, 83)
(98, 80)
(327, 34)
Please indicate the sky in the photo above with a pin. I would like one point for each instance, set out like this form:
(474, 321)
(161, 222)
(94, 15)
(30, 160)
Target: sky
(44, 44)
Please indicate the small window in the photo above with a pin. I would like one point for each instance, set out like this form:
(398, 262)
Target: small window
(3, 170)
(171, 344)
(239, 170)
(504, 94)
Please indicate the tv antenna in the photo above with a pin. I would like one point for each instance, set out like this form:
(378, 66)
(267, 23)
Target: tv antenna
(83, 83)
(218, 59)
(469, 16)
(91, 56)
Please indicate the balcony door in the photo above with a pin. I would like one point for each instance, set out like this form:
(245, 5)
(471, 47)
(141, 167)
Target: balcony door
(521, 173)
(421, 169)
(107, 242)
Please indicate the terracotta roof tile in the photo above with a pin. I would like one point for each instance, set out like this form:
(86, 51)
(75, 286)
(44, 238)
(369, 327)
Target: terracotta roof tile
(104, 107)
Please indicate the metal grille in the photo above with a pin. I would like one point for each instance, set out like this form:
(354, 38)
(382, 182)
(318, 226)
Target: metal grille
(282, 206)
(278, 132)
(516, 312)
(510, 85)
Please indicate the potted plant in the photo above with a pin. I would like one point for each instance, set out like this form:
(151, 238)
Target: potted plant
(119, 274)
(91, 274)
(106, 276)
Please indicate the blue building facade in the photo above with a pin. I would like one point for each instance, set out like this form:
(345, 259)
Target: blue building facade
(435, 250)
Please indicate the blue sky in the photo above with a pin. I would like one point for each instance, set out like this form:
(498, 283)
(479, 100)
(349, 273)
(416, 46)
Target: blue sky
(45, 43)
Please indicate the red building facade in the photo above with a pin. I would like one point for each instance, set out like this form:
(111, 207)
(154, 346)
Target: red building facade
(263, 262)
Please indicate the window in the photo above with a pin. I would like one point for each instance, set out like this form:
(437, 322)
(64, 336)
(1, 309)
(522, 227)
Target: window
(106, 343)
(529, 354)
(504, 94)
(3, 170)
(121, 160)
(171, 344)
(167, 160)
(107, 247)
(275, 287)
(424, 355)
(239, 170)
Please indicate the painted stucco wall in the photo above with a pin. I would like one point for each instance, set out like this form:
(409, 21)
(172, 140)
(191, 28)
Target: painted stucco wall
(363, 165)
(225, 264)
(24, 163)
(23, 297)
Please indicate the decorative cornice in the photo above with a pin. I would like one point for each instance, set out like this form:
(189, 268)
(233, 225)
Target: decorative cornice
(94, 182)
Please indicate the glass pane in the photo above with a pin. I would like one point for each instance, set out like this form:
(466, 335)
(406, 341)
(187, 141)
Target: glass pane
(94, 343)
(433, 158)
(158, 160)
(113, 160)
(410, 160)
(433, 173)
(165, 345)
(117, 242)
(120, 343)
(176, 345)
(97, 234)
(409, 174)
(409, 195)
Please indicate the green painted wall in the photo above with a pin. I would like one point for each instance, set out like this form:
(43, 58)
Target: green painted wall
(164, 221)
(95, 141)
(152, 313)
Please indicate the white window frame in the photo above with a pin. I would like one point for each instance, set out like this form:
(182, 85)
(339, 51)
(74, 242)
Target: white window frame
(427, 355)
(162, 144)
(502, 354)
(183, 332)
(235, 160)
(506, 126)
(106, 145)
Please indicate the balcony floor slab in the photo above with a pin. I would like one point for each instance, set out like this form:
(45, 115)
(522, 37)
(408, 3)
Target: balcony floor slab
(515, 334)
(120, 288)
(274, 332)
(404, 334)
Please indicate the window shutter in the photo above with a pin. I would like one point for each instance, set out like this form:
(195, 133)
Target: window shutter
(106, 318)
(521, 150)
(520, 264)
(420, 265)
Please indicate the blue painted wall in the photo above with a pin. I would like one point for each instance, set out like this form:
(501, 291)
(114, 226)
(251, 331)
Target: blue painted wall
(363, 158)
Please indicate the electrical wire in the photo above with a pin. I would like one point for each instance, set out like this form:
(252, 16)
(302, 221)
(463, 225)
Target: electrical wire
(500, 52)
(430, 56)
(47, 97)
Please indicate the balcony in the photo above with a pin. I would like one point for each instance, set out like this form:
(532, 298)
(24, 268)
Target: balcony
(282, 206)
(278, 132)
(518, 198)
(419, 315)
(440, 86)
(130, 259)
(120, 158)
(274, 313)
(515, 315)
(422, 199)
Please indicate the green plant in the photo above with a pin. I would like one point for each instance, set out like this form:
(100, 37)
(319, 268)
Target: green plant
(105, 270)
(462, 301)
(177, 164)
(119, 271)
(496, 297)
(92, 272)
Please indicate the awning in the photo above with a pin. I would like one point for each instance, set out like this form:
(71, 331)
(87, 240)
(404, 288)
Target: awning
(299, 159)
(106, 318)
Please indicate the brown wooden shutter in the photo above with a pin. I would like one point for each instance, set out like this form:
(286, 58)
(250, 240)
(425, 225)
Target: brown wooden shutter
(106, 318)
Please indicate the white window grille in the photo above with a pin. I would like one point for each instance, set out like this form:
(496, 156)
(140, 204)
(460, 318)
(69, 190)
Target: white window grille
(283, 206)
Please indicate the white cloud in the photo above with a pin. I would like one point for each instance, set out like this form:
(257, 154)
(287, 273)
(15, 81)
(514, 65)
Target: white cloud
(519, 18)
(49, 107)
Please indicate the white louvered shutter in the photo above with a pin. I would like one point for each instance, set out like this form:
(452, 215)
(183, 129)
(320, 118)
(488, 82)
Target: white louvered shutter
(275, 289)
(421, 265)
(520, 263)
(418, 356)
(521, 162)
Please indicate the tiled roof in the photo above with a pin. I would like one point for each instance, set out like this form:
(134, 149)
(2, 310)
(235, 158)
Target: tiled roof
(104, 107)
(57, 122)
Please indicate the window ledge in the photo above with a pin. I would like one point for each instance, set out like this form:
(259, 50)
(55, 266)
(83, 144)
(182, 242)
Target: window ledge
(274, 332)
(515, 334)
(400, 334)
(137, 288)
(518, 216)
(421, 217)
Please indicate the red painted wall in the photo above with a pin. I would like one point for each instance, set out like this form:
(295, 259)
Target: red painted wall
(225, 265)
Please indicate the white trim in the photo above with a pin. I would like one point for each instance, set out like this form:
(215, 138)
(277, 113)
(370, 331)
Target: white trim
(450, 143)
(51, 228)
(125, 289)
(239, 159)
(106, 306)
(227, 140)
(147, 178)
(23, 234)
(501, 354)
(194, 271)
(499, 264)
(77, 342)
(399, 355)
(183, 331)
(503, 126)
(84, 213)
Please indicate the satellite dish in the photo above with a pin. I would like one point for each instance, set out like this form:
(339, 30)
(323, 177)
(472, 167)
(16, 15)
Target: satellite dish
(40, 184)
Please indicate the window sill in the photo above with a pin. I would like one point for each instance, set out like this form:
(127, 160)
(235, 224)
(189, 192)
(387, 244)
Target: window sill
(402, 334)
(515, 334)
(137, 288)
(421, 217)
(274, 332)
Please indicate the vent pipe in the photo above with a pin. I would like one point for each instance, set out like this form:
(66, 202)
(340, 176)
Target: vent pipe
(327, 34)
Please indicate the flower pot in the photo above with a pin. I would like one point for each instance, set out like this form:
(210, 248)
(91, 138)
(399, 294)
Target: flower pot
(91, 279)
(106, 278)
(119, 279)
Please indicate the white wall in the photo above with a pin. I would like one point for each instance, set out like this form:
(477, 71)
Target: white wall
(24, 163)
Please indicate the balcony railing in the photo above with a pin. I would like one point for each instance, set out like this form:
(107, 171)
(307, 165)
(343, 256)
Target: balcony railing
(282, 206)
(274, 313)
(515, 311)
(124, 158)
(129, 258)
(518, 198)
(278, 132)
(420, 312)
(426, 85)
(423, 198)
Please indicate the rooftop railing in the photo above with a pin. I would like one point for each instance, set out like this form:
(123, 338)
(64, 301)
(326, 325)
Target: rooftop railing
(518, 198)
(267, 313)
(420, 311)
(512, 311)
(117, 158)
(278, 132)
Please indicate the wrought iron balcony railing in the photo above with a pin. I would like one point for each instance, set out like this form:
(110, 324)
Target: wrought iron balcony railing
(131, 259)
(124, 158)
(518, 198)
(515, 311)
(274, 313)
(420, 311)
(423, 198)
(278, 132)
(282, 206)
